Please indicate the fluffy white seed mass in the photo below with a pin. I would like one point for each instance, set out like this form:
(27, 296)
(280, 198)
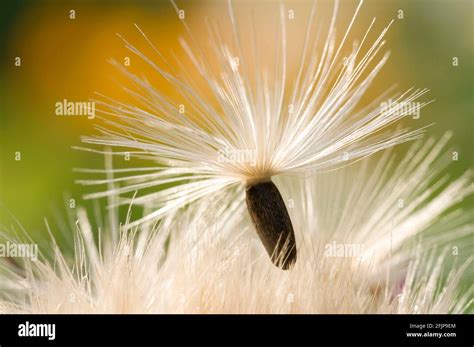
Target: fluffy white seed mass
(360, 251)
(244, 111)
(383, 235)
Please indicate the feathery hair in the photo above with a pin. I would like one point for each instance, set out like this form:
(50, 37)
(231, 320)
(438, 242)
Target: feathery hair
(205, 258)
(242, 100)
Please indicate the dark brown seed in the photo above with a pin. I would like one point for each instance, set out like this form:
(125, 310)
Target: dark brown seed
(272, 221)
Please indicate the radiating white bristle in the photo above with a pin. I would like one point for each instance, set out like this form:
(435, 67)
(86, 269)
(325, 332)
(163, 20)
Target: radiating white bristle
(288, 123)
(207, 259)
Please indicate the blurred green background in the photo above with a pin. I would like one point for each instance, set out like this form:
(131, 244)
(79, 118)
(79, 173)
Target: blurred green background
(67, 59)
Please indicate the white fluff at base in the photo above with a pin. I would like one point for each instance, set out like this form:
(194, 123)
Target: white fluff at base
(206, 258)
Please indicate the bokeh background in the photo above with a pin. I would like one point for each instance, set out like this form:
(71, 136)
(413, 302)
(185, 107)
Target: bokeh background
(64, 58)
